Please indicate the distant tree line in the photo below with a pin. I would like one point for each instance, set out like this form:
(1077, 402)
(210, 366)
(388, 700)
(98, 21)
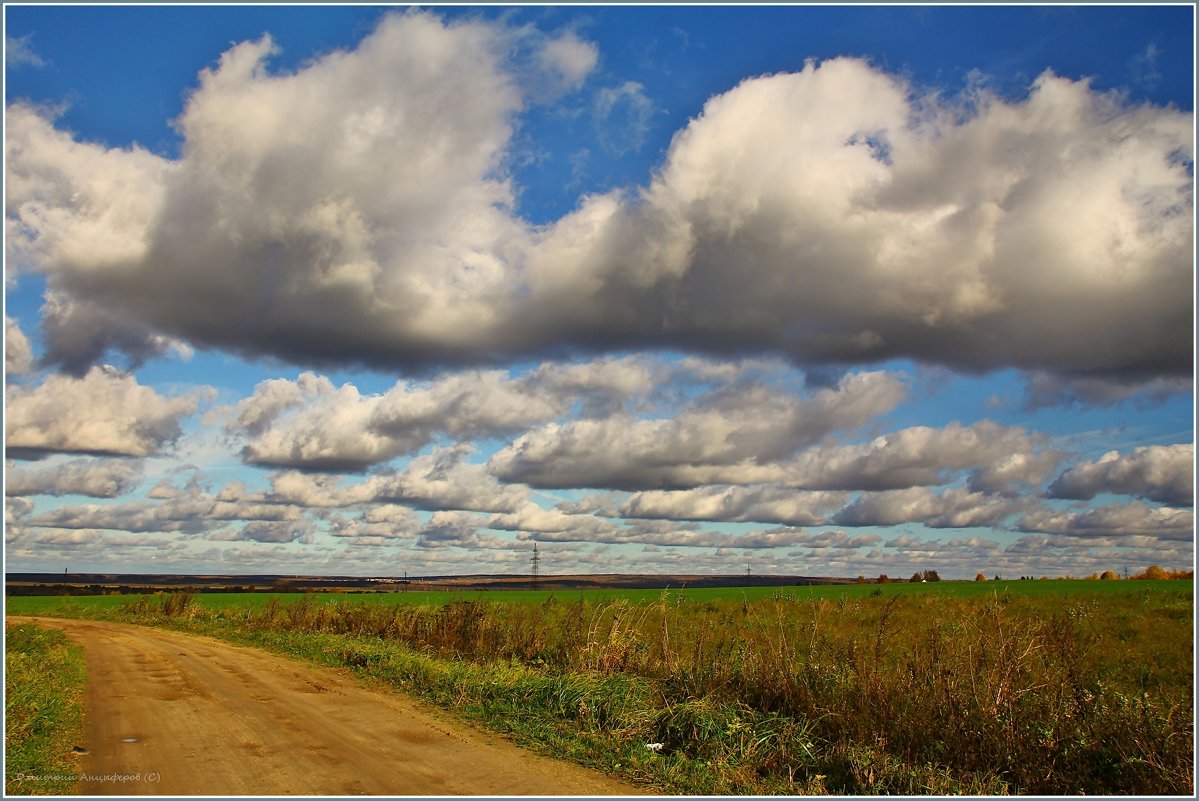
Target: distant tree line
(1151, 572)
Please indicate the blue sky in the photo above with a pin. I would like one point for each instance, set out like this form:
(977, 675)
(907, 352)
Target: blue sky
(820, 290)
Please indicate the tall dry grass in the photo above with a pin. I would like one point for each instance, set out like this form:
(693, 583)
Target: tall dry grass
(885, 694)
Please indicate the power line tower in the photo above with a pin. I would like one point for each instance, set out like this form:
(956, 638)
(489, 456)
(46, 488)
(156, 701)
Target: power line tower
(747, 570)
(536, 560)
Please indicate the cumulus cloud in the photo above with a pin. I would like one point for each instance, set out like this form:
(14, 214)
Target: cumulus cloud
(531, 518)
(997, 458)
(16, 508)
(771, 211)
(104, 412)
(320, 426)
(311, 424)
(99, 478)
(188, 511)
(456, 530)
(721, 438)
(759, 504)
(377, 526)
(440, 480)
(1114, 520)
(1164, 473)
(243, 236)
(444, 480)
(950, 508)
(18, 355)
(818, 183)
(275, 531)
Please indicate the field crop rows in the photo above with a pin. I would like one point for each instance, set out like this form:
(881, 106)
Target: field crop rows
(997, 687)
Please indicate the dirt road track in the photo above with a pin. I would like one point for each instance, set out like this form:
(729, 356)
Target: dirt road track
(190, 715)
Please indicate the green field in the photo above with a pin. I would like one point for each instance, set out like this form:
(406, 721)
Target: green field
(72, 605)
(1036, 687)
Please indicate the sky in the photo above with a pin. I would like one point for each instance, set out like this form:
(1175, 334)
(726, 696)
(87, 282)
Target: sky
(798, 290)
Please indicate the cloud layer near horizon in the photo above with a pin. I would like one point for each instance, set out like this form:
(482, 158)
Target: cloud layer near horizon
(358, 210)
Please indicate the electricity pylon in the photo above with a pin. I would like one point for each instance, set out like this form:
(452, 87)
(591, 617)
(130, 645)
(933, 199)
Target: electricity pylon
(536, 560)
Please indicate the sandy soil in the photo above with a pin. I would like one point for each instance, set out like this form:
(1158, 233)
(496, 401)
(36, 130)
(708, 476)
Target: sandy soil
(175, 714)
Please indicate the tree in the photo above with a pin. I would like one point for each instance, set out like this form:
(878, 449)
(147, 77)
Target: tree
(1109, 575)
(883, 579)
(1153, 572)
(931, 575)
(980, 577)
(916, 578)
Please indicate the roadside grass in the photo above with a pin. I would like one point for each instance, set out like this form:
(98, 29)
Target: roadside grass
(44, 679)
(896, 692)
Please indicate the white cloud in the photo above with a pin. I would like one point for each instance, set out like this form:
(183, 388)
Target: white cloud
(1164, 473)
(105, 412)
(997, 458)
(188, 511)
(311, 424)
(569, 58)
(769, 504)
(1114, 520)
(99, 478)
(773, 209)
(622, 117)
(18, 355)
(443, 480)
(18, 52)
(951, 508)
(724, 437)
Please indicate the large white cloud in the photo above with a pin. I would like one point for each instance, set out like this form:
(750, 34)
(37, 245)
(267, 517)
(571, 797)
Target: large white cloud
(357, 210)
(104, 412)
(1164, 473)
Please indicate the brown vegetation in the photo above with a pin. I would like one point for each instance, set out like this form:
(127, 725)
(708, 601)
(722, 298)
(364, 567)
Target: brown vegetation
(912, 695)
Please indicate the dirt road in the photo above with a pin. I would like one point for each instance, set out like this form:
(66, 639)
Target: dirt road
(174, 714)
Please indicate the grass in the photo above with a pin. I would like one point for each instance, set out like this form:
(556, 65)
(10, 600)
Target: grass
(69, 605)
(44, 685)
(978, 688)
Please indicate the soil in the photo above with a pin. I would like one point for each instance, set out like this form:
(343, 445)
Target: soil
(177, 714)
